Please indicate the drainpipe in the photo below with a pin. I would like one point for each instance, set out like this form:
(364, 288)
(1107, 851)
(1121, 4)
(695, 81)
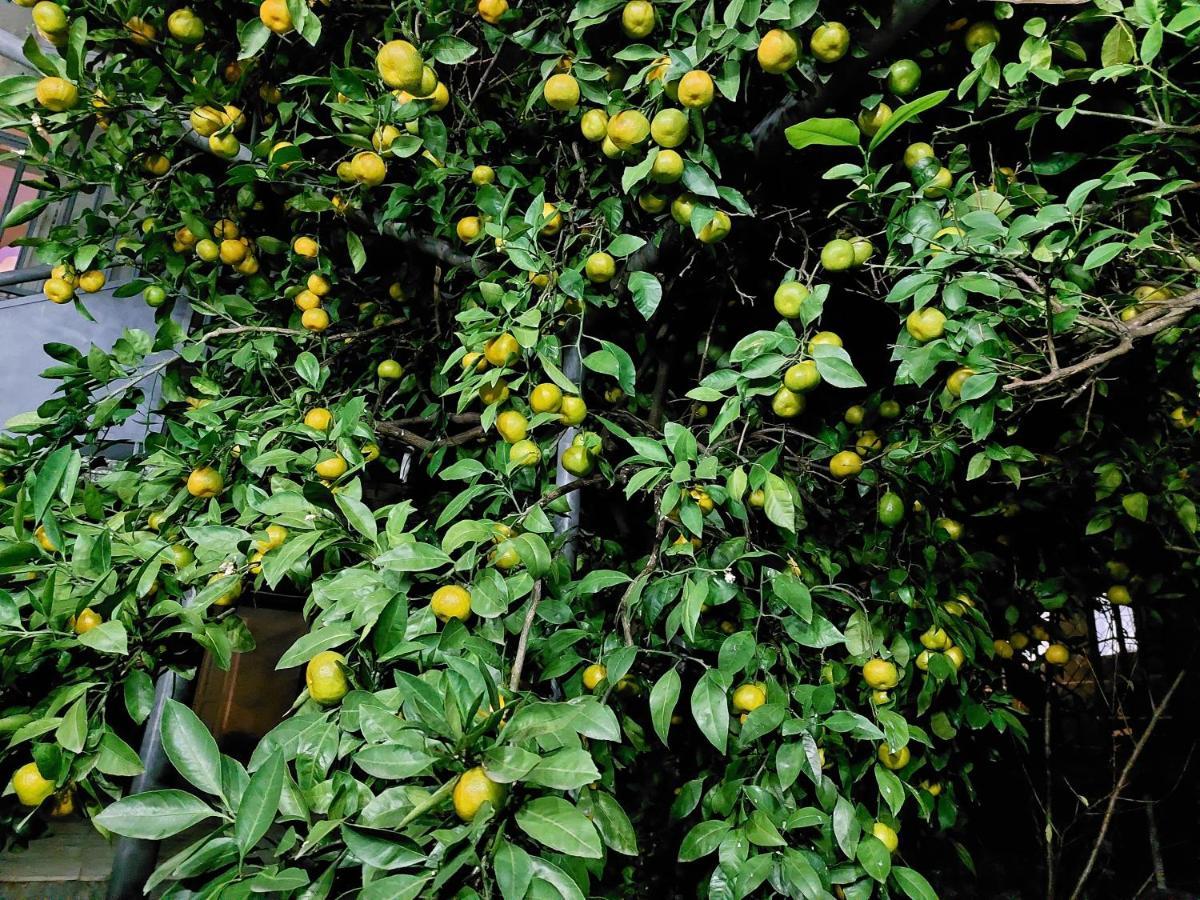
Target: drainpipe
(135, 859)
(569, 523)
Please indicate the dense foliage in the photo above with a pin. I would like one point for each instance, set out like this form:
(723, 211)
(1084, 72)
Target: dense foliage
(684, 421)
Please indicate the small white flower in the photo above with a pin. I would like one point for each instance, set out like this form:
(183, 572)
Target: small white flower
(311, 517)
(730, 578)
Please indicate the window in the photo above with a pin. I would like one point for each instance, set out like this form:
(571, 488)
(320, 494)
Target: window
(13, 192)
(1115, 629)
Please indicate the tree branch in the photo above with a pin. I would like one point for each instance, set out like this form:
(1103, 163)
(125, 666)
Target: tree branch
(1123, 779)
(1159, 317)
(404, 436)
(514, 678)
(625, 605)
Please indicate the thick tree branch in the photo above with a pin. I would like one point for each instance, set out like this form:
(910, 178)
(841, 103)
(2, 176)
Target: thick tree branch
(404, 436)
(1159, 317)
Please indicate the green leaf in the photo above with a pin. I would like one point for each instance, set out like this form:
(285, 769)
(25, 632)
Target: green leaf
(358, 255)
(565, 770)
(359, 515)
(71, 733)
(710, 707)
(906, 112)
(412, 557)
(647, 293)
(835, 366)
(663, 697)
(613, 824)
(260, 803)
(117, 758)
(191, 747)
(513, 870)
(139, 695)
(703, 839)
(913, 884)
(890, 788)
(1137, 505)
(23, 212)
(874, 857)
(309, 645)
(557, 824)
(107, 637)
(451, 50)
(779, 506)
(49, 477)
(823, 132)
(308, 368)
(1117, 48)
(154, 815)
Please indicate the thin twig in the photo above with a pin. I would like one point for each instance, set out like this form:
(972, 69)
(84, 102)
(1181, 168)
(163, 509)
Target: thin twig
(514, 678)
(624, 607)
(1122, 780)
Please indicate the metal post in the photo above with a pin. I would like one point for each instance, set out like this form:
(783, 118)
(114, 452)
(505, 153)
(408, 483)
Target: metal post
(568, 523)
(135, 859)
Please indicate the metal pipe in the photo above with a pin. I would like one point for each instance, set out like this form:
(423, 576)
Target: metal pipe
(28, 275)
(134, 859)
(569, 523)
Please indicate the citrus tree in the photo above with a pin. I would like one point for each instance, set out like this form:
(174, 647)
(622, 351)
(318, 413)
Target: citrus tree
(663, 408)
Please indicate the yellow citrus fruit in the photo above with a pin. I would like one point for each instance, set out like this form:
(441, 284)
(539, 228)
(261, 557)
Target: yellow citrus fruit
(935, 639)
(275, 15)
(789, 297)
(318, 418)
(276, 535)
(954, 384)
(837, 255)
(331, 466)
(573, 410)
(846, 464)
(389, 370)
(952, 527)
(830, 42)
(886, 835)
(880, 674)
(327, 682)
(525, 453)
(185, 26)
(637, 18)
(926, 324)
(628, 128)
(494, 393)
(482, 175)
(669, 127)
(802, 377)
(400, 66)
(468, 228)
(502, 350)
(368, 168)
(553, 219)
(980, 34)
(1118, 595)
(787, 404)
(1057, 655)
(695, 90)
(57, 94)
(914, 153)
(1002, 648)
(667, 167)
(778, 51)
(473, 789)
(49, 17)
(305, 246)
(561, 92)
(546, 398)
(749, 697)
(315, 319)
(29, 785)
(205, 482)
(87, 620)
(897, 760)
(451, 602)
(512, 426)
(716, 230)
(140, 31)
(58, 290)
(231, 591)
(594, 125)
(577, 460)
(593, 675)
(491, 10)
(600, 268)
(939, 184)
(870, 121)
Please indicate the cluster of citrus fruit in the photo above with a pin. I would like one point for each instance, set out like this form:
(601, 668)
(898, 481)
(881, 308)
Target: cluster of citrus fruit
(64, 281)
